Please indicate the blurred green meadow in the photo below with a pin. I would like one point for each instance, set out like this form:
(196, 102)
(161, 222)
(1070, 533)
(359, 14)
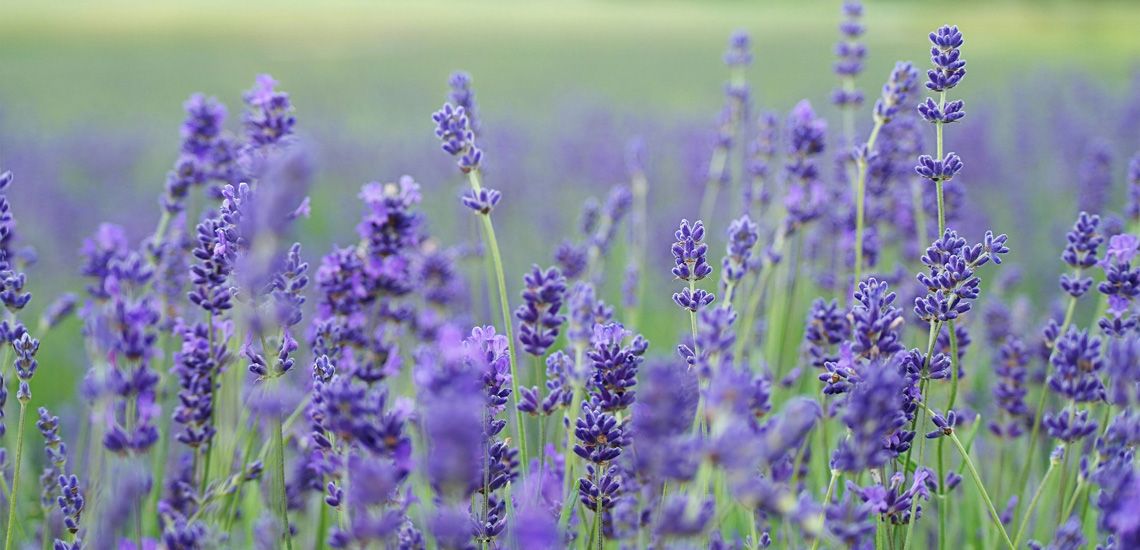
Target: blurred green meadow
(374, 71)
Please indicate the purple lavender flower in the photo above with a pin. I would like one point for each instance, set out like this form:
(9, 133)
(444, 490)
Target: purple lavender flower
(896, 91)
(826, 327)
(615, 354)
(715, 338)
(1094, 175)
(742, 237)
(1132, 211)
(806, 139)
(951, 283)
(1010, 390)
(195, 366)
(875, 416)
(268, 118)
(1121, 285)
(571, 259)
(892, 502)
(1081, 253)
(876, 321)
(851, 53)
(945, 55)
(690, 255)
(453, 128)
(539, 314)
(462, 95)
(1077, 363)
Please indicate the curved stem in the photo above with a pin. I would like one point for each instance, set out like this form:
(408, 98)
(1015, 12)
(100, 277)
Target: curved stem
(938, 183)
(826, 501)
(504, 305)
(1033, 503)
(14, 493)
(860, 198)
(1023, 476)
(981, 486)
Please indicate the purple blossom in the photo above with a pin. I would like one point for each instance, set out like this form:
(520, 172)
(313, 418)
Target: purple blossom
(268, 118)
(539, 314)
(896, 91)
(945, 55)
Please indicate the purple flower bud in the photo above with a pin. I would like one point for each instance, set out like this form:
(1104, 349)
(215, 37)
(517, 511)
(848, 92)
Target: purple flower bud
(949, 67)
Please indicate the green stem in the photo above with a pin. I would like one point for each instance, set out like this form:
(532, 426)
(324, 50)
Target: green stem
(277, 483)
(921, 458)
(1033, 503)
(504, 305)
(826, 501)
(1023, 476)
(938, 183)
(981, 486)
(14, 493)
(568, 470)
(860, 198)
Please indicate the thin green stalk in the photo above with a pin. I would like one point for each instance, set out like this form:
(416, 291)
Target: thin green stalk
(981, 486)
(277, 483)
(919, 215)
(1033, 503)
(1080, 488)
(860, 198)
(826, 501)
(1023, 477)
(934, 327)
(14, 493)
(571, 462)
(504, 305)
(921, 458)
(938, 183)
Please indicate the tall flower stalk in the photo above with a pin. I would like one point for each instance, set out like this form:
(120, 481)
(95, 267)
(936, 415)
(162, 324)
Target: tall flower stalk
(453, 128)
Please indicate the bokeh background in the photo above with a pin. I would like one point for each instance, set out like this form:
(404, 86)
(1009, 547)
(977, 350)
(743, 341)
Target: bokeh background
(91, 94)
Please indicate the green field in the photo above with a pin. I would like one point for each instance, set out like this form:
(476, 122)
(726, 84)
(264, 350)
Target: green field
(380, 67)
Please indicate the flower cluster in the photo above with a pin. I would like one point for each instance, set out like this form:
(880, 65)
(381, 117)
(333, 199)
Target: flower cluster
(690, 255)
(950, 282)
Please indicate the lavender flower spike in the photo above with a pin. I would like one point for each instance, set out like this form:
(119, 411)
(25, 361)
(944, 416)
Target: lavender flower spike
(690, 255)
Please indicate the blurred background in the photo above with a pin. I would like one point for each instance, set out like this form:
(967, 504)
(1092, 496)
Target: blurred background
(91, 100)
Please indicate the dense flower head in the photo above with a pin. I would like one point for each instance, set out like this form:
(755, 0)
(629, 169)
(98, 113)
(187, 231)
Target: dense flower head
(1121, 285)
(1069, 426)
(939, 169)
(690, 253)
(462, 95)
(1077, 362)
(194, 366)
(1081, 253)
(268, 118)
(1011, 369)
(807, 136)
(482, 201)
(851, 53)
(739, 52)
(896, 91)
(950, 282)
(715, 337)
(893, 501)
(453, 128)
(539, 314)
(743, 234)
(1095, 177)
(1132, 210)
(827, 326)
(875, 417)
(615, 354)
(945, 55)
(875, 320)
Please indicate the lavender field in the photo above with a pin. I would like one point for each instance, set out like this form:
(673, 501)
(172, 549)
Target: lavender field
(570, 275)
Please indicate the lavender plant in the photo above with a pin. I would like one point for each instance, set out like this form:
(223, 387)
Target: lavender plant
(237, 396)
